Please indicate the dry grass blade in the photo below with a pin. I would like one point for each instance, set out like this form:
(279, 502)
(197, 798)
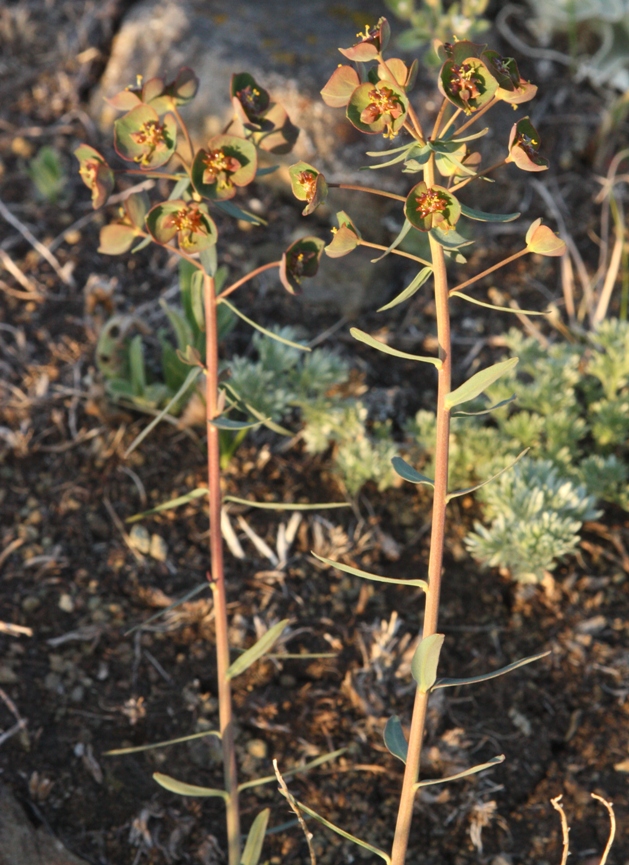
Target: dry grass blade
(39, 247)
(565, 829)
(295, 807)
(612, 826)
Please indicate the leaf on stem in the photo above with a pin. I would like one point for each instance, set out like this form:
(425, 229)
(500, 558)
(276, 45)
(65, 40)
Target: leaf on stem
(450, 239)
(485, 677)
(485, 410)
(229, 424)
(119, 751)
(396, 242)
(236, 212)
(408, 473)
(263, 330)
(467, 490)
(285, 506)
(425, 661)
(255, 839)
(540, 239)
(516, 311)
(479, 382)
(296, 770)
(420, 584)
(361, 336)
(344, 834)
(346, 237)
(184, 789)
(170, 504)
(414, 286)
(481, 216)
(473, 771)
(256, 651)
(394, 738)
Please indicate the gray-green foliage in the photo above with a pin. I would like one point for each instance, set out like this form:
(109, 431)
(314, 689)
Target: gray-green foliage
(572, 411)
(47, 174)
(430, 19)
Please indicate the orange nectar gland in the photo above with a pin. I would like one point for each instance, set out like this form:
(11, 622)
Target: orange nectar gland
(89, 172)
(383, 103)
(465, 81)
(151, 134)
(431, 202)
(216, 163)
(309, 181)
(188, 221)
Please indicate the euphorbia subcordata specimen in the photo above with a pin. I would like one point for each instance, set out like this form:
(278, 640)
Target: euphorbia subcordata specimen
(376, 94)
(152, 138)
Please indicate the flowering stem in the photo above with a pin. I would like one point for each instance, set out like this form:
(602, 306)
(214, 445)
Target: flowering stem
(396, 252)
(226, 291)
(467, 180)
(450, 122)
(419, 133)
(154, 175)
(358, 188)
(217, 575)
(473, 119)
(439, 120)
(489, 270)
(185, 131)
(437, 536)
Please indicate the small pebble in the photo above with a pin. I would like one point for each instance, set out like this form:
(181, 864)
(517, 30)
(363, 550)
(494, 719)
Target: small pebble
(140, 539)
(66, 603)
(158, 548)
(257, 748)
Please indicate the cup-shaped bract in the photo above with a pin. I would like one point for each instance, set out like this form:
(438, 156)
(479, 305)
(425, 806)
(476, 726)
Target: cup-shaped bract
(372, 43)
(542, 240)
(469, 85)
(143, 137)
(190, 222)
(524, 142)
(309, 185)
(431, 207)
(301, 260)
(117, 237)
(379, 107)
(95, 174)
(184, 86)
(227, 163)
(250, 101)
(504, 69)
(398, 72)
(342, 83)
(278, 133)
(346, 237)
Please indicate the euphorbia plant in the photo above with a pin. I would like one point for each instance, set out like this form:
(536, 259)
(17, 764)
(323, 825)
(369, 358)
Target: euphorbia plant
(153, 138)
(472, 80)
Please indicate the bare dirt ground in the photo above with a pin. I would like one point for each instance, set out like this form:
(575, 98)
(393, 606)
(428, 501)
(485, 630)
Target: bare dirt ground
(71, 587)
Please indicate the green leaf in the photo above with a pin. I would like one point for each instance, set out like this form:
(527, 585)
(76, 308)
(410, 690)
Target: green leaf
(420, 584)
(119, 751)
(263, 330)
(517, 311)
(190, 378)
(262, 172)
(473, 771)
(410, 289)
(479, 382)
(297, 770)
(408, 473)
(425, 661)
(343, 833)
(394, 738)
(228, 423)
(485, 677)
(346, 237)
(183, 331)
(401, 157)
(485, 410)
(116, 239)
(361, 336)
(395, 243)
(255, 839)
(451, 239)
(282, 506)
(171, 504)
(184, 599)
(256, 651)
(197, 307)
(184, 789)
(236, 212)
(481, 216)
(180, 188)
(467, 490)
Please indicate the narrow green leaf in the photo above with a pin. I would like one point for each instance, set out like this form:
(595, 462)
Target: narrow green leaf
(361, 336)
(262, 172)
(408, 473)
(183, 331)
(296, 770)
(400, 158)
(196, 299)
(136, 365)
(184, 789)
(467, 490)
(498, 308)
(142, 244)
(394, 738)
(451, 239)
(470, 137)
(410, 289)
(191, 594)
(236, 212)
(420, 584)
(343, 833)
(396, 242)
(255, 839)
(425, 661)
(180, 188)
(170, 505)
(263, 330)
(391, 151)
(485, 410)
(473, 771)
(256, 651)
(479, 382)
(481, 216)
(485, 677)
(190, 378)
(229, 424)
(285, 506)
(119, 751)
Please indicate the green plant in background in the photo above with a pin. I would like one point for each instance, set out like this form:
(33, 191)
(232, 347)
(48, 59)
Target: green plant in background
(46, 172)
(376, 95)
(433, 19)
(151, 135)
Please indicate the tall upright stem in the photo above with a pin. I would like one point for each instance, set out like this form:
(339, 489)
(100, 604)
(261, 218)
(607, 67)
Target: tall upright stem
(418, 722)
(217, 575)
